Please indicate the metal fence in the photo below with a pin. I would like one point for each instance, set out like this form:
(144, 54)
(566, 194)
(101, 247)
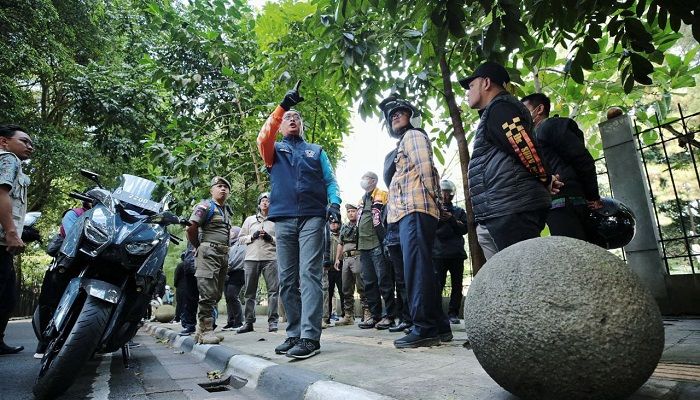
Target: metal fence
(669, 154)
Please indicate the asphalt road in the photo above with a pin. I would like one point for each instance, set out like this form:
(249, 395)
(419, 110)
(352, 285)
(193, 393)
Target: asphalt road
(150, 376)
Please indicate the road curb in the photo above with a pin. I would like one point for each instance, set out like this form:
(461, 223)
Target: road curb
(281, 381)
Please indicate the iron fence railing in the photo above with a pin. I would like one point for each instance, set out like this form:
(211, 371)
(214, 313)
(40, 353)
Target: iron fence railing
(668, 152)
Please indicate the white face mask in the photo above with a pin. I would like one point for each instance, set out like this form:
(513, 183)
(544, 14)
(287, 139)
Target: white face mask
(367, 184)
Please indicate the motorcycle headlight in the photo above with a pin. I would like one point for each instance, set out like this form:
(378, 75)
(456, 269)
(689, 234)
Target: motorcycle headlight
(140, 248)
(94, 234)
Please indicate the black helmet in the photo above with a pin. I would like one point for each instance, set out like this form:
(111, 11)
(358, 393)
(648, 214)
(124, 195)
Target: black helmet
(611, 226)
(392, 104)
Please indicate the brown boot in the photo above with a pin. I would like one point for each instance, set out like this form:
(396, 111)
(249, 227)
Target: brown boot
(207, 336)
(348, 319)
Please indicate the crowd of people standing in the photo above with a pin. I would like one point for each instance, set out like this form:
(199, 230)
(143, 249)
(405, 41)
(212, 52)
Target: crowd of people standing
(396, 247)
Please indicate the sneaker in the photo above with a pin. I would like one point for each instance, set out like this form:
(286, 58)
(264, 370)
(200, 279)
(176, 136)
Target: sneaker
(324, 325)
(228, 328)
(445, 336)
(38, 356)
(133, 345)
(272, 327)
(286, 345)
(187, 331)
(304, 348)
(385, 323)
(245, 328)
(401, 327)
(454, 320)
(368, 323)
(412, 341)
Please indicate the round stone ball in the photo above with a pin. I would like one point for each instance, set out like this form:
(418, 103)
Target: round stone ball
(165, 313)
(559, 318)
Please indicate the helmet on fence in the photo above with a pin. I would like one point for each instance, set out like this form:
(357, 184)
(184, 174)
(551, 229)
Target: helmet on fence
(392, 104)
(611, 226)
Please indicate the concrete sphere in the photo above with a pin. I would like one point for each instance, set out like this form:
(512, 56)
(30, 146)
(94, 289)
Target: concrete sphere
(165, 313)
(559, 318)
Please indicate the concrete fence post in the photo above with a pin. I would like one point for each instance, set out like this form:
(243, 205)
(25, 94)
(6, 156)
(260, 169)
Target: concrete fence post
(629, 185)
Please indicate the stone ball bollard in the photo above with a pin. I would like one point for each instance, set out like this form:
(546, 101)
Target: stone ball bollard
(165, 313)
(559, 318)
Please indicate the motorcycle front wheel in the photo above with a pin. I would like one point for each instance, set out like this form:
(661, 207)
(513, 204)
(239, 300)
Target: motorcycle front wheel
(72, 348)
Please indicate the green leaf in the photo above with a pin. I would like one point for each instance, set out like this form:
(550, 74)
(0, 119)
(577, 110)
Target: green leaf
(227, 71)
(584, 59)
(628, 84)
(576, 72)
(438, 155)
(591, 45)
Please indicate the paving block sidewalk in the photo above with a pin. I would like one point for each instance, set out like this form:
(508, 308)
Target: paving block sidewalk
(367, 359)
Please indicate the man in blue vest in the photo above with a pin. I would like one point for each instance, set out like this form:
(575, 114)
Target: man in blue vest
(304, 194)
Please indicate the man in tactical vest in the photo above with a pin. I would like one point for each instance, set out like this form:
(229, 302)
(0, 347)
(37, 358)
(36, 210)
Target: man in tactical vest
(347, 259)
(208, 233)
(15, 147)
(304, 195)
(563, 148)
(508, 183)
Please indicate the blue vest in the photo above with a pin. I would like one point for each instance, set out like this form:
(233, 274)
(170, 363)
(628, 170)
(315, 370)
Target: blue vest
(298, 188)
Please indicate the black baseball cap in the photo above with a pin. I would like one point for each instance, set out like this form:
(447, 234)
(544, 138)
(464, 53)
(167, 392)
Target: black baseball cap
(494, 71)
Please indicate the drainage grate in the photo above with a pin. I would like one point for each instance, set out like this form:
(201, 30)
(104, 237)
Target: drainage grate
(677, 372)
(223, 385)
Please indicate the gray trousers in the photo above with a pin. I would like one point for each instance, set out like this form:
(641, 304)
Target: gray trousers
(253, 270)
(299, 260)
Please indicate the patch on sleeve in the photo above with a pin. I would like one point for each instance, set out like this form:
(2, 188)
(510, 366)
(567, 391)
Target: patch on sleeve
(523, 146)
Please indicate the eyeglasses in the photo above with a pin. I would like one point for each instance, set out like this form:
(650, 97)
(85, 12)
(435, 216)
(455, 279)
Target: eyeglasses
(26, 142)
(398, 114)
(292, 117)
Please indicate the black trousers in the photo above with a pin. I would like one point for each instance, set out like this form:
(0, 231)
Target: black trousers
(569, 220)
(335, 280)
(455, 266)
(8, 289)
(234, 283)
(513, 228)
(190, 296)
(396, 257)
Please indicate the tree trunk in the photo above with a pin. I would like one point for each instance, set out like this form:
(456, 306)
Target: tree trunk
(475, 252)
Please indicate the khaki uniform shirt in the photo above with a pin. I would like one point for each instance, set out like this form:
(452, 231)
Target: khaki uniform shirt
(11, 175)
(216, 230)
(258, 249)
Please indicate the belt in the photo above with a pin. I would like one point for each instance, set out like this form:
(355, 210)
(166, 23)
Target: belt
(351, 253)
(215, 245)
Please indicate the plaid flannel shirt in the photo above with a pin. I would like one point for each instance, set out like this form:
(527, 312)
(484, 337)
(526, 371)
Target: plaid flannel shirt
(415, 186)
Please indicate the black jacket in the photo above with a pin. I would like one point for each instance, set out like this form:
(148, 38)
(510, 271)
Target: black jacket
(505, 176)
(563, 149)
(449, 237)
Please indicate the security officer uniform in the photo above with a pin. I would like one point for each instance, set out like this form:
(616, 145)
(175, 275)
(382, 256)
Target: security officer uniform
(211, 259)
(351, 278)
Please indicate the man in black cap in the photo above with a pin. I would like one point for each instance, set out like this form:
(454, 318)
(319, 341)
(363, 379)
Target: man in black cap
(508, 183)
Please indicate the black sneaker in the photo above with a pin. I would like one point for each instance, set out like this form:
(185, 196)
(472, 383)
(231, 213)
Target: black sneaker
(454, 320)
(187, 331)
(304, 348)
(286, 345)
(445, 336)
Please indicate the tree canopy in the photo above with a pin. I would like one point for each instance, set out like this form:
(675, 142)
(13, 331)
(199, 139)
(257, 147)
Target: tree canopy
(176, 91)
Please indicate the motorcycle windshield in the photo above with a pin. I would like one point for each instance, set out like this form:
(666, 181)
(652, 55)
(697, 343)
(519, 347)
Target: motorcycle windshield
(138, 193)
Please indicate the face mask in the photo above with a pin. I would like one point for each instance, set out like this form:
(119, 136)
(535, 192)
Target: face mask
(366, 184)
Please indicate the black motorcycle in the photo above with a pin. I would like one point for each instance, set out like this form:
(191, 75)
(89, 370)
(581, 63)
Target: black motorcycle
(114, 254)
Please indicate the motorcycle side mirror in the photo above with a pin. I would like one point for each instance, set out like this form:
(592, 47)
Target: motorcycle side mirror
(93, 176)
(166, 218)
(166, 201)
